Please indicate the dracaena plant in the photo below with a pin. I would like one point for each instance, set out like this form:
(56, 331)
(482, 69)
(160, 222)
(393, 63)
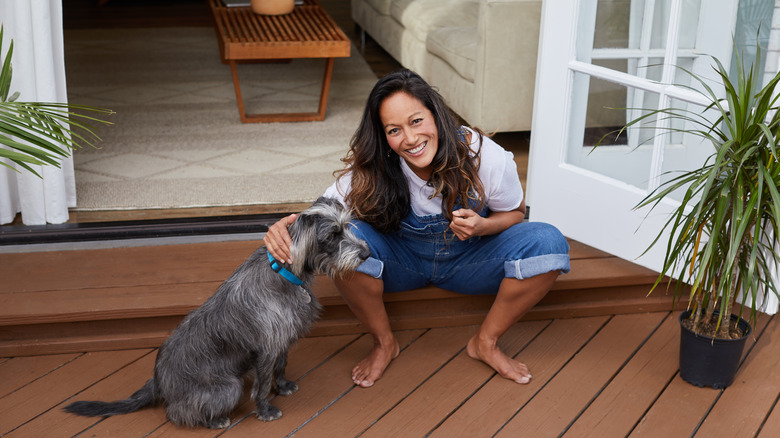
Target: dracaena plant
(38, 133)
(723, 235)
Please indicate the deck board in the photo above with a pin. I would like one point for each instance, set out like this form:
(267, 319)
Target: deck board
(758, 381)
(102, 268)
(681, 407)
(20, 371)
(633, 390)
(604, 376)
(119, 385)
(772, 424)
(455, 382)
(326, 384)
(498, 400)
(677, 411)
(551, 410)
(421, 359)
(45, 393)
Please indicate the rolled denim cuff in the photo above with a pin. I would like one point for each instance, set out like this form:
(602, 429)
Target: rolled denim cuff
(372, 267)
(533, 266)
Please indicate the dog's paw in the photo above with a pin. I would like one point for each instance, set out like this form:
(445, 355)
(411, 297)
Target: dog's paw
(218, 423)
(286, 387)
(268, 413)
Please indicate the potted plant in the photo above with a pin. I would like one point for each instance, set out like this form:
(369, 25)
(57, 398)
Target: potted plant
(723, 234)
(36, 133)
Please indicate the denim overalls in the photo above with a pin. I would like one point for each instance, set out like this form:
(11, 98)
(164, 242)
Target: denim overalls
(425, 251)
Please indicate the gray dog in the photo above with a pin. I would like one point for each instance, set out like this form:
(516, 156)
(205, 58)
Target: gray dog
(249, 324)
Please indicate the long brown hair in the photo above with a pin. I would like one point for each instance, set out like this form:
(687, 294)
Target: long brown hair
(380, 192)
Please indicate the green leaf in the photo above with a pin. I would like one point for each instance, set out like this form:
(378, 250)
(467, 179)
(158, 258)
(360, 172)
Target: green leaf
(42, 133)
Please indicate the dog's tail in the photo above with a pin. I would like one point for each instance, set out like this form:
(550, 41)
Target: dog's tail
(140, 399)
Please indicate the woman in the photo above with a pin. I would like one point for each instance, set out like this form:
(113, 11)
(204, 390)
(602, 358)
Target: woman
(438, 204)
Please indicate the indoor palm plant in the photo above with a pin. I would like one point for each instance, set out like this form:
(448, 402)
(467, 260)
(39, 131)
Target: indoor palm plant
(35, 133)
(723, 235)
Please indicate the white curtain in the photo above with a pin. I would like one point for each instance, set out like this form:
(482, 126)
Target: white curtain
(39, 76)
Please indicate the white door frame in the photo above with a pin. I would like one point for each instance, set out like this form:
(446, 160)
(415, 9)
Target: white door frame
(587, 206)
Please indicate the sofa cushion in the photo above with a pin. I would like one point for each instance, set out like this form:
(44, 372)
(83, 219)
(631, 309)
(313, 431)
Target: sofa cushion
(422, 16)
(457, 46)
(382, 6)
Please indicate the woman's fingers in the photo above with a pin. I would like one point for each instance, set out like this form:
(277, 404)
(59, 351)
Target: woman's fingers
(464, 223)
(278, 240)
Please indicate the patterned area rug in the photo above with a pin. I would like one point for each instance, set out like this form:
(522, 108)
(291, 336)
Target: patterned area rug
(177, 140)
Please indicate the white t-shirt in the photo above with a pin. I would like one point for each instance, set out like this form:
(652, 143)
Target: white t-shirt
(497, 171)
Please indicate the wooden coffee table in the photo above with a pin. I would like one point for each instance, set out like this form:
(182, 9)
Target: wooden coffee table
(307, 32)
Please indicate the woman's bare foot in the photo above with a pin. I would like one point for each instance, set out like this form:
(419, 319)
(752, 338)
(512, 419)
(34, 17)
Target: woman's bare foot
(370, 369)
(489, 353)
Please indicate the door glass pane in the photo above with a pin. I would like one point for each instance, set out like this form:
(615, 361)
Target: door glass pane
(652, 69)
(682, 76)
(684, 152)
(689, 23)
(626, 24)
(599, 110)
(626, 156)
(754, 20)
(612, 24)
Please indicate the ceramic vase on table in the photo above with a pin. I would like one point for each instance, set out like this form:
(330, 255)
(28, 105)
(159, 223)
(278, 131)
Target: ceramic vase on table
(272, 7)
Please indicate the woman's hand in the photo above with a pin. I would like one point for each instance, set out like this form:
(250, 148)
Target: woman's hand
(466, 223)
(278, 240)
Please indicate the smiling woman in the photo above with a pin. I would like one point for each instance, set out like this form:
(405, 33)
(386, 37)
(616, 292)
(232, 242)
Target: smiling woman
(439, 204)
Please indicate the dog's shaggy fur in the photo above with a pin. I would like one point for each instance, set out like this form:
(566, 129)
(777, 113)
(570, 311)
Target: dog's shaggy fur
(249, 324)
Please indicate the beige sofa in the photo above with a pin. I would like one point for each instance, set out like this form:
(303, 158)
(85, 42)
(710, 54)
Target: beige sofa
(479, 54)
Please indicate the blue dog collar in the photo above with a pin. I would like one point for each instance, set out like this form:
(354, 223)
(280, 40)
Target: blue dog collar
(282, 271)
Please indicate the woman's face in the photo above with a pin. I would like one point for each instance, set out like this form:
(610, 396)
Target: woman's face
(411, 131)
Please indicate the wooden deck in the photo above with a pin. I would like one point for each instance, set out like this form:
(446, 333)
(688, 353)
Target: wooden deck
(131, 297)
(605, 376)
(84, 325)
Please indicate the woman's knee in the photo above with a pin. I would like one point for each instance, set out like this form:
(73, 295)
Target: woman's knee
(541, 238)
(541, 248)
(553, 238)
(379, 244)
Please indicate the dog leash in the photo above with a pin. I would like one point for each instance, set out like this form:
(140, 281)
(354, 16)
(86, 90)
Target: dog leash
(282, 271)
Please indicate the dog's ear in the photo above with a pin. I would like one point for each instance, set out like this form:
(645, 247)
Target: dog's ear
(303, 232)
(307, 219)
(295, 227)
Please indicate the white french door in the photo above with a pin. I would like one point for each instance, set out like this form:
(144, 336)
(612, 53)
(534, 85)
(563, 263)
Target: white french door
(598, 59)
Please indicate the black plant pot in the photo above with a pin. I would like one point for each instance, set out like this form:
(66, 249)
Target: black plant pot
(705, 361)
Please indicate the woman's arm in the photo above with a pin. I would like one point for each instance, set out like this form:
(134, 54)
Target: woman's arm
(467, 223)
